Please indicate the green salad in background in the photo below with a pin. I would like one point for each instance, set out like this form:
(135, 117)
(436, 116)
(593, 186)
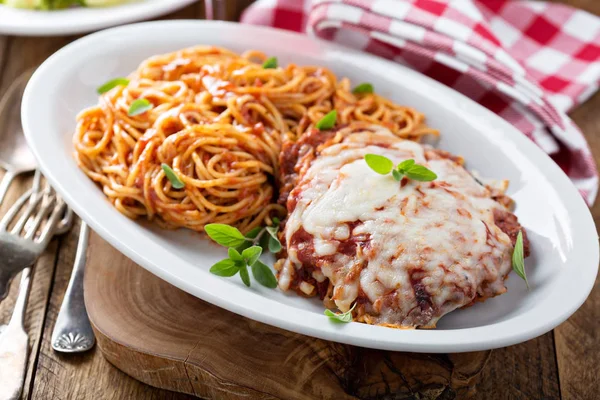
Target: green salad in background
(58, 4)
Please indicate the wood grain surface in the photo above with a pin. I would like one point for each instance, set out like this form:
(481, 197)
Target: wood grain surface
(561, 364)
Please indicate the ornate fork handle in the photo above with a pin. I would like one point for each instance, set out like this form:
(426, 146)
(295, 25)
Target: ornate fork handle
(73, 331)
(14, 345)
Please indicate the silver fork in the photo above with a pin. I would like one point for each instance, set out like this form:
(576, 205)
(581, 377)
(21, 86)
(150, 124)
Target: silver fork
(20, 251)
(65, 223)
(22, 246)
(28, 222)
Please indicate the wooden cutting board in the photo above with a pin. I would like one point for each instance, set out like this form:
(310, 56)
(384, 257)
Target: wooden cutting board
(167, 338)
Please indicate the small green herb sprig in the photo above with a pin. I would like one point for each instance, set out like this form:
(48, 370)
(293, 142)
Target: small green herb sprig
(363, 88)
(383, 165)
(139, 106)
(270, 63)
(518, 259)
(244, 252)
(176, 182)
(112, 84)
(328, 121)
(340, 317)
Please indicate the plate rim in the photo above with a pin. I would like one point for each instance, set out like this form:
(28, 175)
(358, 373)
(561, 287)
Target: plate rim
(356, 333)
(56, 26)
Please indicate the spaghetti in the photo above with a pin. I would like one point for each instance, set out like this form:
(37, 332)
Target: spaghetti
(218, 119)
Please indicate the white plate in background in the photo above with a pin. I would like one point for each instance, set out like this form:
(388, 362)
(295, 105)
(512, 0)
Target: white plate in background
(564, 242)
(75, 20)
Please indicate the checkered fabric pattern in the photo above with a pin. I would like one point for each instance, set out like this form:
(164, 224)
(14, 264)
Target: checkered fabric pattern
(528, 61)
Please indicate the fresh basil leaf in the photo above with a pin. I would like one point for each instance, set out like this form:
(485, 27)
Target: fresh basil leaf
(276, 221)
(112, 84)
(270, 63)
(274, 245)
(254, 233)
(363, 88)
(243, 246)
(405, 164)
(397, 175)
(340, 317)
(251, 254)
(264, 242)
(380, 164)
(225, 268)
(518, 259)
(244, 275)
(332, 316)
(224, 235)
(234, 255)
(272, 230)
(138, 107)
(250, 236)
(263, 275)
(172, 177)
(327, 122)
(420, 173)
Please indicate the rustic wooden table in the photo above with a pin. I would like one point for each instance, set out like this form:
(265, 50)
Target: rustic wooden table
(562, 364)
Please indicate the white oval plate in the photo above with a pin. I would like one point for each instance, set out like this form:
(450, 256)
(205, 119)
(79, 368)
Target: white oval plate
(17, 21)
(564, 241)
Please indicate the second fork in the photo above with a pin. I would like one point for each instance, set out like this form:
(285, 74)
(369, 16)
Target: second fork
(20, 245)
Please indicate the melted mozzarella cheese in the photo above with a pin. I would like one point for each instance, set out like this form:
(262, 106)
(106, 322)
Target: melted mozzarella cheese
(431, 247)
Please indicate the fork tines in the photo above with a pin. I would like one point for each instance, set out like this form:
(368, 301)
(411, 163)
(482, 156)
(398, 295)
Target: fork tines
(30, 212)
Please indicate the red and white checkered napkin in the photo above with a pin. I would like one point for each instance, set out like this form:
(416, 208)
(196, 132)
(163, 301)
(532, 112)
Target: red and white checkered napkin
(528, 61)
